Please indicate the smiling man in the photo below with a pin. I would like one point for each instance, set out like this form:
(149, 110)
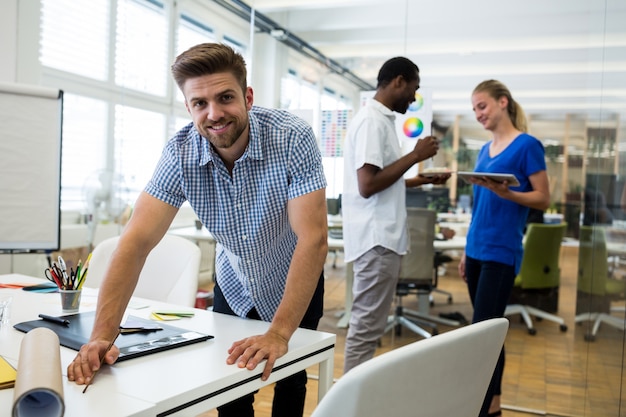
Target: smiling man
(254, 178)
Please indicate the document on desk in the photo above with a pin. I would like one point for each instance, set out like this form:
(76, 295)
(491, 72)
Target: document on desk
(131, 344)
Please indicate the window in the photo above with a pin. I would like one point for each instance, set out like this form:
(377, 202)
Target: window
(112, 58)
(69, 31)
(141, 60)
(190, 33)
(84, 144)
(139, 140)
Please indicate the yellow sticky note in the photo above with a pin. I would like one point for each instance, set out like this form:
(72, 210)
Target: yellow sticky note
(7, 374)
(164, 317)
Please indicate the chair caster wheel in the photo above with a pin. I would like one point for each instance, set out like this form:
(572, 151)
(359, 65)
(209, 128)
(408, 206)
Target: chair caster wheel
(532, 331)
(590, 338)
(563, 327)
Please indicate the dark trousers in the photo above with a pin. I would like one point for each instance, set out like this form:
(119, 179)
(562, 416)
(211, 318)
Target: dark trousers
(490, 285)
(290, 392)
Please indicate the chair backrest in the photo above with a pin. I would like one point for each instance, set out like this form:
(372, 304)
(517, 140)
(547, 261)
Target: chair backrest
(445, 375)
(419, 263)
(593, 266)
(542, 252)
(170, 273)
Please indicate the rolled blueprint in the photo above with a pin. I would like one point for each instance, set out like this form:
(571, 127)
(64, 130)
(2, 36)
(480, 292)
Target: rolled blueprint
(39, 383)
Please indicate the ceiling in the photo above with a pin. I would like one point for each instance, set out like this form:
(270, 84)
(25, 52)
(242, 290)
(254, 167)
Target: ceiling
(558, 57)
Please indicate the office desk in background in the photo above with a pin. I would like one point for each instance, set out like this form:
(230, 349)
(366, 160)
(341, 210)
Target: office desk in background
(185, 381)
(456, 243)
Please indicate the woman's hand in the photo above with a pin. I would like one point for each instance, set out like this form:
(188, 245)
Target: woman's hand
(462, 268)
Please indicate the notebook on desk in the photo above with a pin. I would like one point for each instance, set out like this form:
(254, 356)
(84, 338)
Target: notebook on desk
(131, 345)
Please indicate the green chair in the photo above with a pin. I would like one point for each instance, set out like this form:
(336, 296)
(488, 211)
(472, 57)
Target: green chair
(540, 275)
(595, 287)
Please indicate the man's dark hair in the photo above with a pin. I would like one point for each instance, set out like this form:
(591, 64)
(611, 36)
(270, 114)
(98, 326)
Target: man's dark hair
(397, 66)
(207, 59)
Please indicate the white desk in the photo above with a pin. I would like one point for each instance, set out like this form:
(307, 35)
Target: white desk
(457, 242)
(184, 381)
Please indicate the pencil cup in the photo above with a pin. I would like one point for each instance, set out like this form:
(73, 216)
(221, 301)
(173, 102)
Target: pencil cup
(70, 300)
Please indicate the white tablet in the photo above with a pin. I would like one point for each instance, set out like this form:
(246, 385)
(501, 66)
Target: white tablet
(513, 182)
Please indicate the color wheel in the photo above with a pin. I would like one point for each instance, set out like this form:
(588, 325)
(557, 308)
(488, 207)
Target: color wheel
(413, 127)
(418, 103)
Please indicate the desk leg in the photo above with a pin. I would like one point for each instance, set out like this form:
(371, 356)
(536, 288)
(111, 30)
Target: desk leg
(326, 369)
(345, 317)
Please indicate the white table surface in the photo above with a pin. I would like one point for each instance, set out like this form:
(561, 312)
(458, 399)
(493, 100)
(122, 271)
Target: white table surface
(184, 381)
(457, 242)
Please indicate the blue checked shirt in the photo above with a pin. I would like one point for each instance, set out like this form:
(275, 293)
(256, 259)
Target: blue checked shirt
(245, 212)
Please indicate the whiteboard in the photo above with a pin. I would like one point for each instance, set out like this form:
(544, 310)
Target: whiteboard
(30, 168)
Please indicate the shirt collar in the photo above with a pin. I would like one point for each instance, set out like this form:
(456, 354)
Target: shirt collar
(384, 110)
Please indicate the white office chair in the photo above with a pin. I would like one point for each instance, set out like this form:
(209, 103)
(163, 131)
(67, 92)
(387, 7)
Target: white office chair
(170, 273)
(446, 375)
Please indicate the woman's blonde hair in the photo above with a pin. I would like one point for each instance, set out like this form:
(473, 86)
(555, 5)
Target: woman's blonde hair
(496, 90)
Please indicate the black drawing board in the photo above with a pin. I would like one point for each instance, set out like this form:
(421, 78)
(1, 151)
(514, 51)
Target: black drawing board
(131, 345)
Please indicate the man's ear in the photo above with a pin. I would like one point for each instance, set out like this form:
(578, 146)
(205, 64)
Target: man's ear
(399, 81)
(249, 97)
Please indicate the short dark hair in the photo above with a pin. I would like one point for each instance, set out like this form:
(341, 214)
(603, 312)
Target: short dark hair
(397, 66)
(206, 59)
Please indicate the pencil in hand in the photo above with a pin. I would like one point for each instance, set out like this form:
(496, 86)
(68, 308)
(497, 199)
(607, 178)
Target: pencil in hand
(102, 360)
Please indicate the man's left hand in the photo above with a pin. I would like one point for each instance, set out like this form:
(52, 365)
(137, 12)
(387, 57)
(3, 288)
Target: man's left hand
(251, 351)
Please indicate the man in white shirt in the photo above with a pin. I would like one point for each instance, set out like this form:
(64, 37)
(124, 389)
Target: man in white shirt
(373, 203)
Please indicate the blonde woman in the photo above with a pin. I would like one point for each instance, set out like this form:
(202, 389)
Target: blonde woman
(494, 242)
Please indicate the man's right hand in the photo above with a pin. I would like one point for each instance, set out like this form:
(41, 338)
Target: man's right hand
(426, 147)
(88, 360)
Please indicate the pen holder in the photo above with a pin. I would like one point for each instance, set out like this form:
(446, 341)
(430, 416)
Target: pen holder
(70, 300)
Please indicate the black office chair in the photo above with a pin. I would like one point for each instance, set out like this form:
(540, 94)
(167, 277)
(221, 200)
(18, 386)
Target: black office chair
(418, 275)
